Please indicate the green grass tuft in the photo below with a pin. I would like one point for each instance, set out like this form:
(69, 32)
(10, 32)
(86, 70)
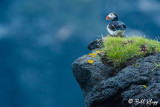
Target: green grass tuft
(119, 50)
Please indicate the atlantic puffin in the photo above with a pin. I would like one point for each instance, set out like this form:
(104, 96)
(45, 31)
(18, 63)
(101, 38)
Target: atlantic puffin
(115, 27)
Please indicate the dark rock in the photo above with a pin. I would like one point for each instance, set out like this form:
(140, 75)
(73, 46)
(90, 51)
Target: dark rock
(98, 43)
(101, 89)
(89, 74)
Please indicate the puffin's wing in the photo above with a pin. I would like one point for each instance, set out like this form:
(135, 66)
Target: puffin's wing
(124, 26)
(117, 25)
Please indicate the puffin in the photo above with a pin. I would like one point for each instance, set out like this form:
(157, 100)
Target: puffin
(116, 28)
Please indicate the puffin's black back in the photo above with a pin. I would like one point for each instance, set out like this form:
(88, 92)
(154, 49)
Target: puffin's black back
(116, 25)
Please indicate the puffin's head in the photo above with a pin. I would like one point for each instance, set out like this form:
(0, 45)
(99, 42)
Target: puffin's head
(112, 16)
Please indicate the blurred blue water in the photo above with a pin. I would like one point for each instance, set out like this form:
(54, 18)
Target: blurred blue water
(40, 39)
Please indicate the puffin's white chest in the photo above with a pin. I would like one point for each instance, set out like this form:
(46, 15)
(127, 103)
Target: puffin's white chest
(117, 32)
(110, 31)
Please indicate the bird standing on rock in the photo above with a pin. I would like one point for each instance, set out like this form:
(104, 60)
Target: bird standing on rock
(116, 28)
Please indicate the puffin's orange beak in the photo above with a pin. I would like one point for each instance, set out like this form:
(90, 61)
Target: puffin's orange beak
(107, 18)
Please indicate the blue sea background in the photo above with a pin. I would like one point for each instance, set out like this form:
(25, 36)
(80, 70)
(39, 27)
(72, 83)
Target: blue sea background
(39, 40)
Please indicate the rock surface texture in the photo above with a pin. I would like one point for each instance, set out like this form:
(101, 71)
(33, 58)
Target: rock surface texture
(135, 85)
